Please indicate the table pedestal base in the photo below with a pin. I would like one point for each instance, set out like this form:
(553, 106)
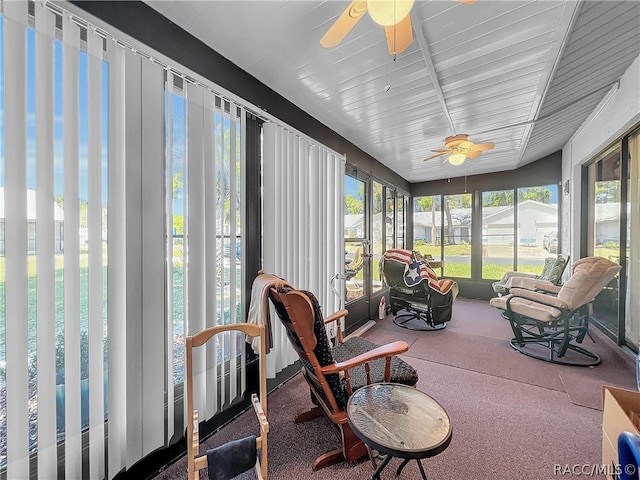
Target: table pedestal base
(387, 459)
(404, 463)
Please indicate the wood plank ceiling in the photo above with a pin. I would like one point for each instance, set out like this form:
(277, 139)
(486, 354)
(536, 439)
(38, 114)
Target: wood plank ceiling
(522, 74)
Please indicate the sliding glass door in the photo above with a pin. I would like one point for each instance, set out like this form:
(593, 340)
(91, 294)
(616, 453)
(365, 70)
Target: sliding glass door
(603, 227)
(611, 201)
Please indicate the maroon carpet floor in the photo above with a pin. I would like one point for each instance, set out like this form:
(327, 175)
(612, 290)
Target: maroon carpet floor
(513, 417)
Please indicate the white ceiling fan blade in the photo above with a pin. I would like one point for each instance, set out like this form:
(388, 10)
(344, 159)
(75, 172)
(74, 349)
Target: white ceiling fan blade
(345, 22)
(436, 156)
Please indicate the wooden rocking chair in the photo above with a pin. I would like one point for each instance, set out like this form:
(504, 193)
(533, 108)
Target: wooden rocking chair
(334, 373)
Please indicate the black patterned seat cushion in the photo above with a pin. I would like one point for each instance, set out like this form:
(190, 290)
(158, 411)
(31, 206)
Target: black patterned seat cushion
(401, 372)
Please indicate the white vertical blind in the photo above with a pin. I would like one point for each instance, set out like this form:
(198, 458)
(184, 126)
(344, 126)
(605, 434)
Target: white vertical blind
(145, 332)
(195, 228)
(633, 275)
(151, 377)
(95, 259)
(211, 263)
(117, 279)
(72, 396)
(133, 254)
(16, 292)
(212, 276)
(302, 223)
(45, 244)
(168, 115)
(97, 146)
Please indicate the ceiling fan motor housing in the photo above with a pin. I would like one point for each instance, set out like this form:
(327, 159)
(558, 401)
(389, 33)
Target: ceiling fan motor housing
(455, 140)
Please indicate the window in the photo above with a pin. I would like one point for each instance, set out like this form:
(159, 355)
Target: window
(457, 235)
(498, 235)
(401, 222)
(537, 226)
(427, 225)
(512, 236)
(389, 218)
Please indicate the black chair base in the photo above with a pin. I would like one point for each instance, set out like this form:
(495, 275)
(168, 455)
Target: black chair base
(588, 359)
(554, 343)
(417, 321)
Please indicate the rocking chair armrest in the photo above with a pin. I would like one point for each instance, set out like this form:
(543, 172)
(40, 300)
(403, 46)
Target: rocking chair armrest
(388, 350)
(537, 297)
(336, 316)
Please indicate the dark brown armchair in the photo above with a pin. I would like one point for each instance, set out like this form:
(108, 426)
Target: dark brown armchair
(335, 372)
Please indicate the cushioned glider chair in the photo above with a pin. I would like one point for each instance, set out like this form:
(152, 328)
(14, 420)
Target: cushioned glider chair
(233, 458)
(550, 323)
(334, 373)
(551, 275)
(417, 307)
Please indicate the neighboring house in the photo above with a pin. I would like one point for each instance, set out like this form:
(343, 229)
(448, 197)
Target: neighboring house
(31, 222)
(460, 220)
(354, 225)
(607, 223)
(535, 220)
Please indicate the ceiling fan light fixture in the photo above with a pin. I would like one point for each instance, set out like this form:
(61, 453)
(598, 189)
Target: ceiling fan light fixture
(457, 158)
(389, 12)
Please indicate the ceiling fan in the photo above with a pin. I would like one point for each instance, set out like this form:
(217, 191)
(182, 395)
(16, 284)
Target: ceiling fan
(393, 15)
(458, 148)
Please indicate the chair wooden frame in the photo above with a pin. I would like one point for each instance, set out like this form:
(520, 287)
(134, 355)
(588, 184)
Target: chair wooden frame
(298, 306)
(196, 462)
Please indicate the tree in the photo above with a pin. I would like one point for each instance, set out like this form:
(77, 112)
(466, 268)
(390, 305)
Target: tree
(449, 224)
(353, 205)
(423, 204)
(500, 198)
(608, 192)
(539, 194)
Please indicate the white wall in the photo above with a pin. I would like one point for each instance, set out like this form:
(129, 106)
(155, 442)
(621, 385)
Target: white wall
(615, 115)
(617, 112)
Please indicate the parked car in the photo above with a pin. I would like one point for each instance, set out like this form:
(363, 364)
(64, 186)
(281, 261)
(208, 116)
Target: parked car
(550, 242)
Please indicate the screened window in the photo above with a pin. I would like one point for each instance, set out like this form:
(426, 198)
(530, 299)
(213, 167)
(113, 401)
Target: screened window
(401, 221)
(498, 233)
(389, 219)
(442, 230)
(456, 234)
